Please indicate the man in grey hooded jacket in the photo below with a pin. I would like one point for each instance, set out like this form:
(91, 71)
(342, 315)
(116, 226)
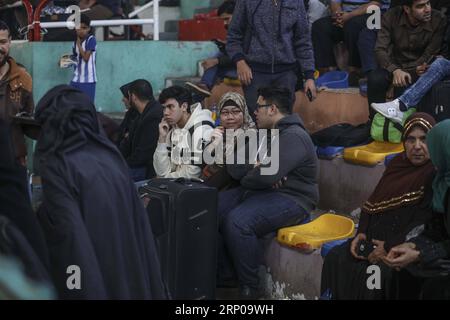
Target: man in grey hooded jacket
(268, 40)
(266, 201)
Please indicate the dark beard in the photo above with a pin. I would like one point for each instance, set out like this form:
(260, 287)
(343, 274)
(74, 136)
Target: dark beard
(3, 62)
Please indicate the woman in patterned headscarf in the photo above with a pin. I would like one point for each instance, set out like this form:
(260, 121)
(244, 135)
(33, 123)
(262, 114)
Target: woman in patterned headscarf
(235, 120)
(397, 210)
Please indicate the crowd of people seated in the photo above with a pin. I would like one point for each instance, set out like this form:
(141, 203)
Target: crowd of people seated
(91, 215)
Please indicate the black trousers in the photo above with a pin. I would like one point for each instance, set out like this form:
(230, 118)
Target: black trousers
(286, 79)
(357, 38)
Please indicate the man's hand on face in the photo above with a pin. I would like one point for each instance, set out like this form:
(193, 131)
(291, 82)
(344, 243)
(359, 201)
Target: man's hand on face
(163, 131)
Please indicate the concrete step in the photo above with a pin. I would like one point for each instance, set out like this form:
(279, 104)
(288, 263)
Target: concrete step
(344, 187)
(180, 81)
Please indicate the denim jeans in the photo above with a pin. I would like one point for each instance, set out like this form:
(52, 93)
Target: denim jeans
(378, 83)
(87, 88)
(211, 75)
(438, 70)
(242, 222)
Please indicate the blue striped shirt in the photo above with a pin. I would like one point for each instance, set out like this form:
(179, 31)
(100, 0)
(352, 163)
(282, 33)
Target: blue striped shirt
(85, 71)
(350, 5)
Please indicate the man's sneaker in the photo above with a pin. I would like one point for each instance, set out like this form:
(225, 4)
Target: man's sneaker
(199, 88)
(390, 110)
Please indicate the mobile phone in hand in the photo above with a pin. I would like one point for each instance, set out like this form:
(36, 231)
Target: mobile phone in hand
(309, 95)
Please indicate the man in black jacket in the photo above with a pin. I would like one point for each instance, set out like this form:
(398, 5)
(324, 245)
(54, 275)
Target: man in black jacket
(138, 149)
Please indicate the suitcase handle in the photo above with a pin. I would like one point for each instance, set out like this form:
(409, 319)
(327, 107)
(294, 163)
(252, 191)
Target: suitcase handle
(188, 181)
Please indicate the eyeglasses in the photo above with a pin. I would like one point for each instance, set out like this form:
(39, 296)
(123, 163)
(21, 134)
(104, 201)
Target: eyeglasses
(263, 105)
(227, 113)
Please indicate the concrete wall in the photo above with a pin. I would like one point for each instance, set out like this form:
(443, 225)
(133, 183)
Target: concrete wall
(344, 187)
(292, 274)
(118, 62)
(188, 7)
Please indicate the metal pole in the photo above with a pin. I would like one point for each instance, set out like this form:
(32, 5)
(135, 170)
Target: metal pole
(37, 19)
(143, 8)
(98, 23)
(156, 20)
(29, 10)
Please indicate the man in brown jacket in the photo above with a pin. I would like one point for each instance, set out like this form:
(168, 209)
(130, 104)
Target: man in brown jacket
(410, 36)
(15, 92)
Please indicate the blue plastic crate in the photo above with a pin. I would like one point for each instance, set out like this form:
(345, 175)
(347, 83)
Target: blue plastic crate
(388, 158)
(333, 80)
(330, 245)
(329, 152)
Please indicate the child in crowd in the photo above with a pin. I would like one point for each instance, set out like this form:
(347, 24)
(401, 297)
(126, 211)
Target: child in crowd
(84, 52)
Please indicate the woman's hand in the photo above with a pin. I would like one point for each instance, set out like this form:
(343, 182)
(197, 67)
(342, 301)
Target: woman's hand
(355, 242)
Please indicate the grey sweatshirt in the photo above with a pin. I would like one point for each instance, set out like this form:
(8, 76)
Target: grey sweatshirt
(297, 161)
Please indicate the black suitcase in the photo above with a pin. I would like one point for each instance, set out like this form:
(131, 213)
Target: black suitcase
(183, 216)
(437, 101)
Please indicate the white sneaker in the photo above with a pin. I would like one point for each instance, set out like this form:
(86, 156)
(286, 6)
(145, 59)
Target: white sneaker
(390, 110)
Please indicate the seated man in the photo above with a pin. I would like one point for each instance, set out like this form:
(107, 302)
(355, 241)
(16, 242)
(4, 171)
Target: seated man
(131, 114)
(256, 209)
(439, 70)
(183, 132)
(410, 35)
(348, 23)
(220, 66)
(399, 204)
(138, 149)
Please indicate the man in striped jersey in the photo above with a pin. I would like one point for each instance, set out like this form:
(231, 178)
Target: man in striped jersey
(84, 51)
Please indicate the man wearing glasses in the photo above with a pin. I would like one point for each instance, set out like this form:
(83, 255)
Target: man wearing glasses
(264, 203)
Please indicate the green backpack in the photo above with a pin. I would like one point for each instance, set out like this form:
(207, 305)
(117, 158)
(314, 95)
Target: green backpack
(383, 129)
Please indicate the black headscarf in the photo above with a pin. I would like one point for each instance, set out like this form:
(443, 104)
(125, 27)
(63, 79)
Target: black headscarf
(68, 120)
(91, 214)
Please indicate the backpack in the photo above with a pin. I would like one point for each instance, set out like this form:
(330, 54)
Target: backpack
(342, 135)
(383, 129)
(437, 101)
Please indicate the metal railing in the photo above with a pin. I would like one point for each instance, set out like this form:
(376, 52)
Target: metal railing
(35, 25)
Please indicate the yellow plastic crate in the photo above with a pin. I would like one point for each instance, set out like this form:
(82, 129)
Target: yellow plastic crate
(372, 153)
(328, 227)
(232, 82)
